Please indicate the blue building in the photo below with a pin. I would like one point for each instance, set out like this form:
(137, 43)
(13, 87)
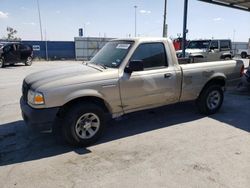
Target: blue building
(55, 49)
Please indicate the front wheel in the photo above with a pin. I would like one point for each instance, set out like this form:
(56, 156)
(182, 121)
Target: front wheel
(210, 99)
(28, 61)
(83, 124)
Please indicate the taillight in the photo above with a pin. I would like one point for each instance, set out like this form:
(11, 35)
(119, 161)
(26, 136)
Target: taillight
(242, 71)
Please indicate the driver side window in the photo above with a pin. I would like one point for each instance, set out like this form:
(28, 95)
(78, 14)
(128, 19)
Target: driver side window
(7, 48)
(214, 45)
(152, 55)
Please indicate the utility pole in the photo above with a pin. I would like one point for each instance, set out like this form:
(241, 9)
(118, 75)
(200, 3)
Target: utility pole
(164, 34)
(46, 46)
(40, 20)
(185, 31)
(135, 20)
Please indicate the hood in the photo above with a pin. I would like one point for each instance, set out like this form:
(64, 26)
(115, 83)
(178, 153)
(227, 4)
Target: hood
(63, 76)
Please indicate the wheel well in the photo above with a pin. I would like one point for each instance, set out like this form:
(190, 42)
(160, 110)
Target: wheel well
(215, 81)
(95, 100)
(227, 55)
(194, 57)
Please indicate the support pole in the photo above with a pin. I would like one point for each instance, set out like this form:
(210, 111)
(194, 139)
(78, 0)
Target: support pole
(135, 20)
(164, 34)
(184, 36)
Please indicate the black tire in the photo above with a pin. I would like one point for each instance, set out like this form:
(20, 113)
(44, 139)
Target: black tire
(73, 116)
(205, 102)
(28, 61)
(243, 55)
(227, 58)
(1, 63)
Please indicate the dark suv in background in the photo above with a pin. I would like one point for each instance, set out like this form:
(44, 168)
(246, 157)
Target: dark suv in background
(11, 53)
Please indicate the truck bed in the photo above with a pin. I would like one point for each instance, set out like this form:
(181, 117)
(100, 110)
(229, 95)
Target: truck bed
(196, 74)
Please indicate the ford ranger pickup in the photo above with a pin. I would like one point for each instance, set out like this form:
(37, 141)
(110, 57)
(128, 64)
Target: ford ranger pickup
(125, 76)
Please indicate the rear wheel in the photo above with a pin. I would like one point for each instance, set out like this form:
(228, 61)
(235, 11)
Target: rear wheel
(83, 124)
(210, 100)
(243, 55)
(28, 61)
(227, 58)
(1, 63)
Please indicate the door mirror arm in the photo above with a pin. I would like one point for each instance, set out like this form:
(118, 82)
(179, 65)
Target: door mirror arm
(134, 65)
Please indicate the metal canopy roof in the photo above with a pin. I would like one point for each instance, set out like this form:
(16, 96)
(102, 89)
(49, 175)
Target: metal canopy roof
(237, 4)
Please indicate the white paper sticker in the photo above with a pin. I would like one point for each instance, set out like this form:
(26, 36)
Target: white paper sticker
(123, 46)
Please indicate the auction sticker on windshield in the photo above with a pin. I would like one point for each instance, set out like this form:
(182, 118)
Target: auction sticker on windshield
(123, 46)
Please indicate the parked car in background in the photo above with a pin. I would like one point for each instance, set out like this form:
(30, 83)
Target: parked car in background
(208, 50)
(12, 53)
(245, 53)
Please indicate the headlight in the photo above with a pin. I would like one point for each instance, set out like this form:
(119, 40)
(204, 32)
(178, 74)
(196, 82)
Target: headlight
(35, 97)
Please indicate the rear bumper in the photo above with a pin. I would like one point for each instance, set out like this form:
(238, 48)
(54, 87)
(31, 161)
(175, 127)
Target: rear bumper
(39, 119)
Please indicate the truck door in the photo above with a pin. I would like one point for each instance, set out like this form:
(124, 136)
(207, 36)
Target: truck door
(214, 51)
(11, 53)
(225, 48)
(154, 86)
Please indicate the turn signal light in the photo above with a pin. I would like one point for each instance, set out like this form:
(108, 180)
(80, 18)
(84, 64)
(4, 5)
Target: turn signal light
(242, 71)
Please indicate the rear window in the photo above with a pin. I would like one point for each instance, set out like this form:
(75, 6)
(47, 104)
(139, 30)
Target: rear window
(225, 45)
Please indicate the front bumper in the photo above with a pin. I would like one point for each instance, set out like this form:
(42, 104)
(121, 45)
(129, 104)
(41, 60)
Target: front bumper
(39, 119)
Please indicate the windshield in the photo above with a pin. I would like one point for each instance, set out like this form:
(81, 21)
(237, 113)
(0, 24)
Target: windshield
(202, 44)
(112, 54)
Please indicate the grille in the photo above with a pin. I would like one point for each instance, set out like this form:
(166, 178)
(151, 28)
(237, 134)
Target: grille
(25, 90)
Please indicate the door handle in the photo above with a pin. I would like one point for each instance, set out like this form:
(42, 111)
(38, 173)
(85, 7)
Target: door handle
(167, 75)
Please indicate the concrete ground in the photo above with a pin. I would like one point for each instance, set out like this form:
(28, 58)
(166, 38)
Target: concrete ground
(172, 146)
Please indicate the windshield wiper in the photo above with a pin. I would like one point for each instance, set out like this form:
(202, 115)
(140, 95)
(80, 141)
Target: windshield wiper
(100, 65)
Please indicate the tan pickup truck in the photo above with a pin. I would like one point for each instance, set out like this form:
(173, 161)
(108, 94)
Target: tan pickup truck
(126, 75)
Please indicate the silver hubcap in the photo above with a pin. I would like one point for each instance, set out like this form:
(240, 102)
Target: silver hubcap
(87, 125)
(213, 100)
(29, 60)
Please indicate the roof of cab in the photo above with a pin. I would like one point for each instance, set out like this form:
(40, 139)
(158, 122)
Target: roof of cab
(142, 39)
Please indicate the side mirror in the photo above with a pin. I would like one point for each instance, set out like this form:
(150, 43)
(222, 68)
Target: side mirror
(134, 65)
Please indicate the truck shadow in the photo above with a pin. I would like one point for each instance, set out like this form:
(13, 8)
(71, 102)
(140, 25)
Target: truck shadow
(18, 144)
(235, 111)
(14, 66)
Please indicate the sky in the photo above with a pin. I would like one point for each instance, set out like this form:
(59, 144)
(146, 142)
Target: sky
(61, 19)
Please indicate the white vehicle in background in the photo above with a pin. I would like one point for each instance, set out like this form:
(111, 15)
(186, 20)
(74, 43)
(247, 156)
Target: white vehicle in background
(244, 53)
